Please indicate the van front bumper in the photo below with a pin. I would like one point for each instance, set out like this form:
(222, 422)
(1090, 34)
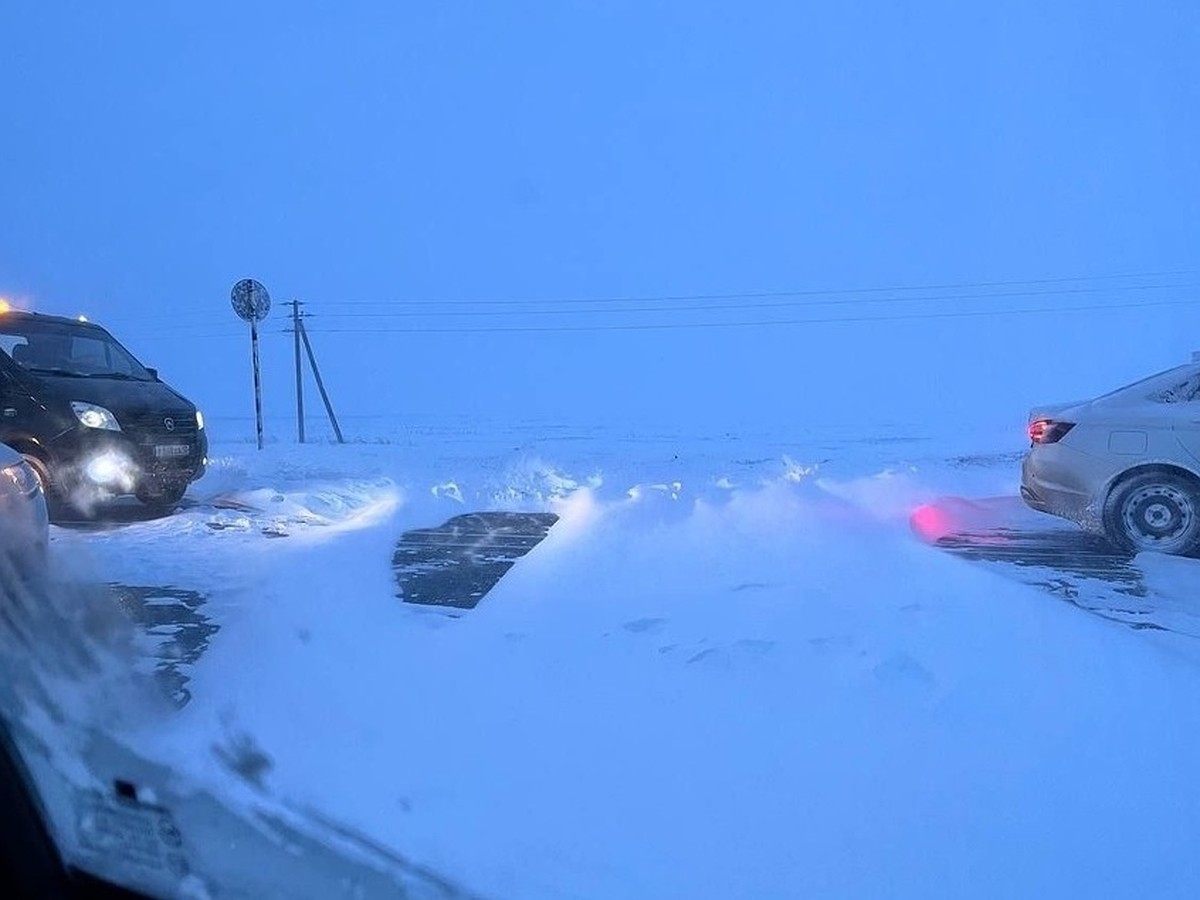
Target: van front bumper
(124, 462)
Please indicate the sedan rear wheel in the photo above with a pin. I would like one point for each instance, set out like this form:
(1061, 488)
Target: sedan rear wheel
(1155, 511)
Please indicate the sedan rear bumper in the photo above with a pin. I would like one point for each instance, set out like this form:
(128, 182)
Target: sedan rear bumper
(1063, 482)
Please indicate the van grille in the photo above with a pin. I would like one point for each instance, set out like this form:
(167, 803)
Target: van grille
(154, 425)
(148, 432)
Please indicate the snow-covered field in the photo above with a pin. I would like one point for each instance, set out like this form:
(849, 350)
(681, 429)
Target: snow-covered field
(731, 669)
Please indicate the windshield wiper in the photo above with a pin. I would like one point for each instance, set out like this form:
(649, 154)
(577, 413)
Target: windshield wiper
(66, 373)
(70, 373)
(122, 376)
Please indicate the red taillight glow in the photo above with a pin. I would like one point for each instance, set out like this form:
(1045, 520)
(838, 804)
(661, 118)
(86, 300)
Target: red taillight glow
(1047, 431)
(931, 522)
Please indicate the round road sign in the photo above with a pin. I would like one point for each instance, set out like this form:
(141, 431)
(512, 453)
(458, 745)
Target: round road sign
(250, 300)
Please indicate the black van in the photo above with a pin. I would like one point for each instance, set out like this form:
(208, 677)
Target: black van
(92, 420)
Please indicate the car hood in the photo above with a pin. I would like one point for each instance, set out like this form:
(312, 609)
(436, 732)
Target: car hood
(117, 395)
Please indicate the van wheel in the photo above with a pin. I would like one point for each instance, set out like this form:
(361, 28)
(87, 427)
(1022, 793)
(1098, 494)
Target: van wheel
(1157, 510)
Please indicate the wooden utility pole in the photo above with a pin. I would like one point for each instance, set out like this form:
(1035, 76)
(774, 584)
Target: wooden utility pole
(312, 361)
(295, 305)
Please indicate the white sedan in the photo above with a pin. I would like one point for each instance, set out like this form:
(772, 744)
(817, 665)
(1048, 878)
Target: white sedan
(24, 524)
(1125, 465)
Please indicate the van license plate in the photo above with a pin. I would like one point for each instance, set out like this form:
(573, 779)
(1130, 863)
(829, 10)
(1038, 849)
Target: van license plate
(172, 451)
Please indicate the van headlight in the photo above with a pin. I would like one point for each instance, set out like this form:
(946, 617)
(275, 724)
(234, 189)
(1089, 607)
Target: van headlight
(199, 420)
(92, 416)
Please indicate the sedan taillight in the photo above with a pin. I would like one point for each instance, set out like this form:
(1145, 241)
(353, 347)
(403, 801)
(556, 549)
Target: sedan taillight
(1047, 431)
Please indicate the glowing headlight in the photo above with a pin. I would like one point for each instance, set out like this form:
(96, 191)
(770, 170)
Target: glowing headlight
(23, 477)
(93, 416)
(111, 470)
(199, 420)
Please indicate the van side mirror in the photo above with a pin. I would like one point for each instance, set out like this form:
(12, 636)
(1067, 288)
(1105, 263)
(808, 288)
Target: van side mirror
(153, 372)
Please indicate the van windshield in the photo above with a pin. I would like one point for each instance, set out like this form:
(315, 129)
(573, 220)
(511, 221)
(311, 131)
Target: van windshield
(55, 348)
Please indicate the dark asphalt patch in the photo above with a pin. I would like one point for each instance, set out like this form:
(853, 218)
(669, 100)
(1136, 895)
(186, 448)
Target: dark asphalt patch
(1075, 566)
(173, 617)
(1074, 555)
(456, 564)
(1082, 569)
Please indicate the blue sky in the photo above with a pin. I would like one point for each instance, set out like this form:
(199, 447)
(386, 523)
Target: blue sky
(154, 153)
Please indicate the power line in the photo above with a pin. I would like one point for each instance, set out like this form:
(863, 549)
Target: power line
(759, 295)
(843, 301)
(180, 333)
(223, 328)
(210, 328)
(668, 326)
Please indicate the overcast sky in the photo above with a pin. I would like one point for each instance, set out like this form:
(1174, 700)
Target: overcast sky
(153, 153)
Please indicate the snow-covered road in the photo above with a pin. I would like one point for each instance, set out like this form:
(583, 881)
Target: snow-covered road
(728, 670)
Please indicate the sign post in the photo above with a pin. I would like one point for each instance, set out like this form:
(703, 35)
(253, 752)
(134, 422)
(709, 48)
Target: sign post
(251, 302)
